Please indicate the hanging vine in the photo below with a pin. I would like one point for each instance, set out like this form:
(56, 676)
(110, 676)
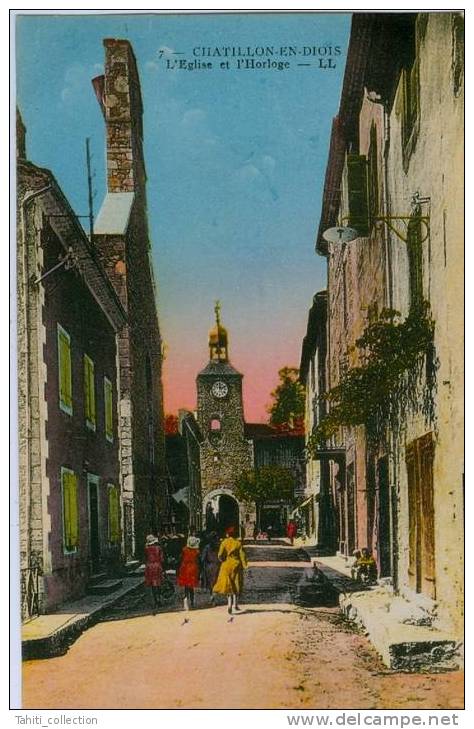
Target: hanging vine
(396, 377)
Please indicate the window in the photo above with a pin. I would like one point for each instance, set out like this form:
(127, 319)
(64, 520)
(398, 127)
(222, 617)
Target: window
(415, 260)
(410, 100)
(357, 193)
(65, 374)
(113, 514)
(344, 294)
(108, 401)
(458, 53)
(410, 80)
(373, 182)
(419, 464)
(70, 510)
(215, 430)
(89, 393)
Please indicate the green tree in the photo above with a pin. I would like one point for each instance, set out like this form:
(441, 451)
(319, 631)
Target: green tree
(288, 399)
(267, 483)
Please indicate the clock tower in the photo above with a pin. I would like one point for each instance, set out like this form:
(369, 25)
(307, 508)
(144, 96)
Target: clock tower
(225, 452)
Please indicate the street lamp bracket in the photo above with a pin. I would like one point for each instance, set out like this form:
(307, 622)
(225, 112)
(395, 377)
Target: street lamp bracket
(405, 220)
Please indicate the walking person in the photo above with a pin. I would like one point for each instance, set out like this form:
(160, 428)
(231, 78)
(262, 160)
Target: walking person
(154, 558)
(291, 530)
(231, 573)
(210, 563)
(188, 573)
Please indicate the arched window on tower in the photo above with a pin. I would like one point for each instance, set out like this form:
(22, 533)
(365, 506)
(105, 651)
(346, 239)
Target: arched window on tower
(215, 430)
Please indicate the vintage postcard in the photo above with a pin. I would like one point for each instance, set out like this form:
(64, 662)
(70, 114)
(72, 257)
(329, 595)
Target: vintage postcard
(239, 324)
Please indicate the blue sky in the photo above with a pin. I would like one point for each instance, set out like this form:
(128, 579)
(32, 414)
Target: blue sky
(235, 162)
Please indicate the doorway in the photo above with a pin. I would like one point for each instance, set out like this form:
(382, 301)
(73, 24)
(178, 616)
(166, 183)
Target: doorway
(222, 511)
(94, 533)
(351, 507)
(228, 514)
(272, 517)
(384, 537)
(419, 463)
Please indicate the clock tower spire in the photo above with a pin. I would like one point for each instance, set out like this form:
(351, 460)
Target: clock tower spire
(218, 339)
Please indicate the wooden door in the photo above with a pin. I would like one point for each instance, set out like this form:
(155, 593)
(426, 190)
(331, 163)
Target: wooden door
(94, 531)
(427, 538)
(419, 464)
(413, 518)
(351, 509)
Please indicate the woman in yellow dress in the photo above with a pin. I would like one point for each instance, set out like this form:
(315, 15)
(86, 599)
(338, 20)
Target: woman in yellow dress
(231, 574)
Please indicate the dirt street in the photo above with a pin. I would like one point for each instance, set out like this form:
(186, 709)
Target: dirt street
(273, 654)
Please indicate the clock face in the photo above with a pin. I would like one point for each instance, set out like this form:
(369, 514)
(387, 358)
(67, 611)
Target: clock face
(219, 389)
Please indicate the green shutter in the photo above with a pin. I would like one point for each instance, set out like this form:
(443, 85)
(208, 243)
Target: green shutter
(411, 103)
(89, 392)
(414, 95)
(65, 375)
(358, 193)
(74, 510)
(114, 515)
(109, 421)
(70, 510)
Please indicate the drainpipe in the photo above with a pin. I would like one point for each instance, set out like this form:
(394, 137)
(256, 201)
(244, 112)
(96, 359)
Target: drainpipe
(27, 200)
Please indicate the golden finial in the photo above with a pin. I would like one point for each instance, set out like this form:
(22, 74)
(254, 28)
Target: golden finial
(218, 338)
(217, 309)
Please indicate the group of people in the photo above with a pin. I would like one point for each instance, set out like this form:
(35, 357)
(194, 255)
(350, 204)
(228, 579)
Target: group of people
(266, 535)
(364, 566)
(216, 565)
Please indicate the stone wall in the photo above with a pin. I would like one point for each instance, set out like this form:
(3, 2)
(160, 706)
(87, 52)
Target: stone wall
(50, 438)
(435, 169)
(318, 513)
(222, 462)
(33, 488)
(357, 287)
(375, 271)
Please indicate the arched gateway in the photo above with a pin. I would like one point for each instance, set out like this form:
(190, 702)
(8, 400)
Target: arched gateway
(222, 510)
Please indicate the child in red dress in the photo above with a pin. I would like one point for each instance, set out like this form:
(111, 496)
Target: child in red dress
(188, 574)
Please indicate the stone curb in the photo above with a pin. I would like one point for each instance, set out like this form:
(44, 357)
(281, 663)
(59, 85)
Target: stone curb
(435, 653)
(58, 642)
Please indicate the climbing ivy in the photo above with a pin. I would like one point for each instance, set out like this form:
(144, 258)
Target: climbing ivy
(397, 376)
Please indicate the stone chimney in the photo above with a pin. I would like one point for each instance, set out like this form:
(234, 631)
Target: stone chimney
(122, 103)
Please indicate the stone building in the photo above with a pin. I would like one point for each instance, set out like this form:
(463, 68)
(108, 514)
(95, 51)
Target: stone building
(68, 320)
(225, 451)
(394, 176)
(317, 512)
(183, 458)
(121, 237)
(273, 446)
